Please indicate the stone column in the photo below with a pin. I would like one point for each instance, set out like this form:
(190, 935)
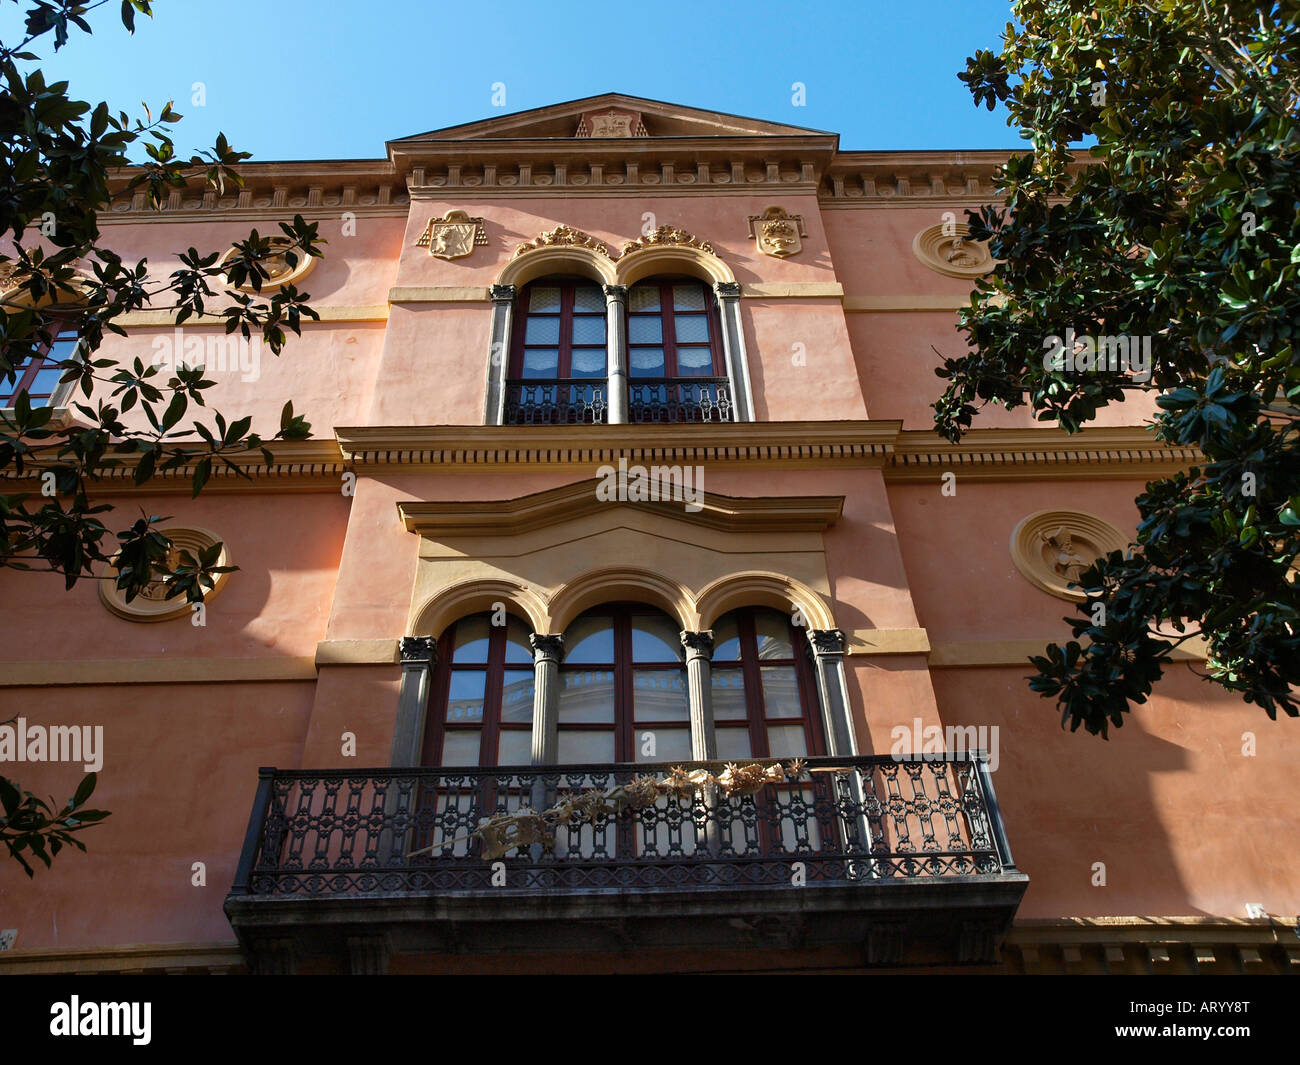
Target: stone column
(699, 662)
(503, 305)
(419, 654)
(828, 654)
(548, 653)
(616, 345)
(733, 347)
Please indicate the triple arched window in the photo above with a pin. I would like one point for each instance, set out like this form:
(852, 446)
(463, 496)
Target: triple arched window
(586, 353)
(623, 694)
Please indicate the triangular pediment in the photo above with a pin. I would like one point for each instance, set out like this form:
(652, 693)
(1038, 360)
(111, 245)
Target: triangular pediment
(611, 116)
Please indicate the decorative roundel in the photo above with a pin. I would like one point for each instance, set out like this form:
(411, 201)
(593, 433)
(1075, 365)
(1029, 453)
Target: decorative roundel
(277, 266)
(152, 604)
(1053, 547)
(947, 249)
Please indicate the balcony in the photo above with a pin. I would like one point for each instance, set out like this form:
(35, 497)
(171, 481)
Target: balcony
(906, 861)
(578, 401)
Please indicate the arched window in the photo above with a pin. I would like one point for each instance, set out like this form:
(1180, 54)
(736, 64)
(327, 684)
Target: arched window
(558, 372)
(481, 699)
(764, 696)
(623, 692)
(676, 370)
(38, 374)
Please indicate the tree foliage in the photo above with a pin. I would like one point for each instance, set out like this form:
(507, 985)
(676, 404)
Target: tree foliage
(1181, 224)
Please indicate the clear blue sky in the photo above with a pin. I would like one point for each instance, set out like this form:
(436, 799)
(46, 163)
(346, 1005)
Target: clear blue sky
(327, 79)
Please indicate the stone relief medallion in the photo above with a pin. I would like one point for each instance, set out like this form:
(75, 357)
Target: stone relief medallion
(152, 603)
(277, 265)
(453, 236)
(1053, 547)
(777, 233)
(947, 249)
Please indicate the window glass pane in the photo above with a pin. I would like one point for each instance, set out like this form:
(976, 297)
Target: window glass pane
(660, 695)
(656, 638)
(45, 381)
(647, 362)
(588, 298)
(773, 632)
(518, 647)
(733, 743)
(786, 741)
(515, 747)
(694, 362)
(688, 297)
(692, 328)
(644, 298)
(670, 745)
(465, 696)
(64, 347)
(728, 694)
(582, 746)
(469, 645)
(588, 362)
(780, 692)
(588, 330)
(544, 298)
(517, 695)
(642, 329)
(542, 362)
(589, 639)
(586, 695)
(726, 640)
(461, 747)
(542, 331)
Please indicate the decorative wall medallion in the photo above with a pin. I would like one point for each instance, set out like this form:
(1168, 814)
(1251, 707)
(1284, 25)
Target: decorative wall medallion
(777, 233)
(562, 236)
(277, 265)
(947, 249)
(1053, 547)
(152, 604)
(611, 124)
(453, 236)
(668, 235)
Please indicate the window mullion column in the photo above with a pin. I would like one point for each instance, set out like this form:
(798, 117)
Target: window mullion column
(548, 652)
(828, 655)
(616, 346)
(733, 347)
(699, 685)
(503, 305)
(419, 654)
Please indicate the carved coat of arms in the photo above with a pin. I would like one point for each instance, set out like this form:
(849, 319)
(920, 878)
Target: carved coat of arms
(777, 233)
(452, 236)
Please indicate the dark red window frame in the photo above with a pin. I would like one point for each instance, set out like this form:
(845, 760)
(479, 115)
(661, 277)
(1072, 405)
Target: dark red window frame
(668, 314)
(565, 315)
(26, 373)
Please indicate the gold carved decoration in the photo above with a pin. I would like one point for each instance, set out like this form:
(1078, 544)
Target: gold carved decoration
(152, 603)
(947, 249)
(777, 233)
(277, 266)
(453, 236)
(562, 236)
(668, 235)
(1052, 548)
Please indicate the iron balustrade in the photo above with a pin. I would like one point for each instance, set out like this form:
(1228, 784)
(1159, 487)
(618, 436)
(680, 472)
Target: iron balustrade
(866, 819)
(556, 401)
(677, 399)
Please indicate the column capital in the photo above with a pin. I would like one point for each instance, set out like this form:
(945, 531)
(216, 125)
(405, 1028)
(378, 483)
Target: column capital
(727, 289)
(615, 292)
(698, 644)
(547, 648)
(419, 651)
(502, 293)
(828, 641)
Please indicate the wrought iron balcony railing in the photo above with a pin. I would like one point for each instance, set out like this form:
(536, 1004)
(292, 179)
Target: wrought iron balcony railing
(556, 401)
(697, 399)
(413, 832)
(571, 401)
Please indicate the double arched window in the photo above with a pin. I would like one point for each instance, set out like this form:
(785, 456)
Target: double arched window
(623, 694)
(666, 363)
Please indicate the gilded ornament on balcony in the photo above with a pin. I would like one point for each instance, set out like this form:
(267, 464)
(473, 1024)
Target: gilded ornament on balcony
(453, 236)
(668, 236)
(947, 248)
(777, 232)
(563, 236)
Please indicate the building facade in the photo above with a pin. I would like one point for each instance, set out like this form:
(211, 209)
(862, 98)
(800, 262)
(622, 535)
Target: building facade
(624, 611)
